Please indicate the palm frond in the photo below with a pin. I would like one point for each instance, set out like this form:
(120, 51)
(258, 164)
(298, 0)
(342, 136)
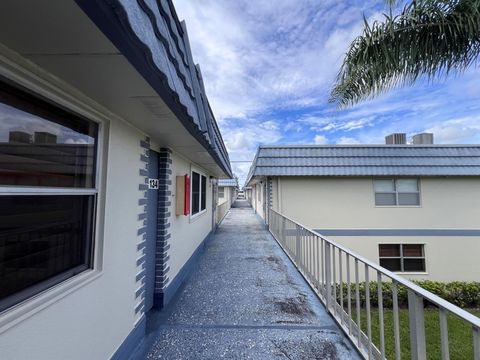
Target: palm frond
(429, 37)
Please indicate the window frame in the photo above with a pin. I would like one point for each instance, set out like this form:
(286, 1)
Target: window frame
(25, 77)
(221, 193)
(200, 212)
(402, 258)
(396, 192)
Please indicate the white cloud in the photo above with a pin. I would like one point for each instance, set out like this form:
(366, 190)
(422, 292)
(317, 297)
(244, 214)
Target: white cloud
(457, 130)
(320, 140)
(344, 140)
(339, 123)
(316, 122)
(242, 138)
(293, 126)
(268, 54)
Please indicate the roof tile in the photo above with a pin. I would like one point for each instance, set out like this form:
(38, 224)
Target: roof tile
(367, 160)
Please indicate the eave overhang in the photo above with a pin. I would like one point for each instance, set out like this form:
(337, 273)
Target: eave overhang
(149, 35)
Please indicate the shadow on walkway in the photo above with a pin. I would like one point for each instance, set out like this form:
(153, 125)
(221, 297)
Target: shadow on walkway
(245, 300)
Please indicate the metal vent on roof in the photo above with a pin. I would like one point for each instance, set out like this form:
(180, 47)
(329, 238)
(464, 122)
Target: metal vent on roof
(423, 138)
(396, 139)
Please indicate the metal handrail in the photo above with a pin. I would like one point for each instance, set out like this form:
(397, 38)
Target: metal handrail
(401, 280)
(317, 261)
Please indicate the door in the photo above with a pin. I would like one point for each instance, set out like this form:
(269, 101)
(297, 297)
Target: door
(152, 206)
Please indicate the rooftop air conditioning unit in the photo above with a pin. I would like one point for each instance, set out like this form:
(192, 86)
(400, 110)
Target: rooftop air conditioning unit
(396, 139)
(423, 138)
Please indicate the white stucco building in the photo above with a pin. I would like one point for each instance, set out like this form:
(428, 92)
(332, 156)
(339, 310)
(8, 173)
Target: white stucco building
(104, 124)
(414, 209)
(227, 192)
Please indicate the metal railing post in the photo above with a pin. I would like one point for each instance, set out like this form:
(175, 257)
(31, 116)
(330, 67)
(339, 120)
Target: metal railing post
(269, 223)
(417, 326)
(444, 334)
(381, 324)
(297, 245)
(328, 276)
(396, 321)
(476, 342)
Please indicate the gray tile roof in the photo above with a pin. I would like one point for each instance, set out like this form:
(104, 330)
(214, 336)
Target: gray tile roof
(366, 160)
(150, 35)
(228, 182)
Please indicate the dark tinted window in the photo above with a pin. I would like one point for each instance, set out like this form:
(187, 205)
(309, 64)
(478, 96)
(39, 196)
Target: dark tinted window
(414, 265)
(47, 237)
(43, 240)
(389, 250)
(195, 193)
(204, 193)
(402, 257)
(391, 264)
(42, 144)
(412, 250)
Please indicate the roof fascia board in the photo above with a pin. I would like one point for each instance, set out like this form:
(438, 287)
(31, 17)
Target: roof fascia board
(112, 19)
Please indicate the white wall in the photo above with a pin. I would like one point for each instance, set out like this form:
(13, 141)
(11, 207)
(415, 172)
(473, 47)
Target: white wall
(258, 198)
(447, 258)
(248, 195)
(187, 232)
(348, 203)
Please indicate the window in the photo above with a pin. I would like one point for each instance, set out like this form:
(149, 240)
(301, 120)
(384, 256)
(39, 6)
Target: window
(199, 193)
(221, 192)
(203, 193)
(47, 194)
(402, 257)
(396, 192)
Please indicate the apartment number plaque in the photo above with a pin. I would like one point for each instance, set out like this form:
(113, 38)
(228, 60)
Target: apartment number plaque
(153, 184)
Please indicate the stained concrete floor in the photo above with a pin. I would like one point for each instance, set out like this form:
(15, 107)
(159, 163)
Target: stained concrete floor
(245, 300)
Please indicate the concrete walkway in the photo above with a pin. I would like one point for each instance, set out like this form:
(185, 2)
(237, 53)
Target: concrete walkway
(241, 203)
(245, 300)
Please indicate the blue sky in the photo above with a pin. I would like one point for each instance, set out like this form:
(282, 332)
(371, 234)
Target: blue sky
(268, 67)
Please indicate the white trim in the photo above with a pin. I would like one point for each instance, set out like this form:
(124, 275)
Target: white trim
(196, 216)
(201, 212)
(26, 74)
(30, 190)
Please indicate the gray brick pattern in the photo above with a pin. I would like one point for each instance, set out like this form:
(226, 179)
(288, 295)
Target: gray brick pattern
(269, 193)
(142, 231)
(163, 220)
(269, 197)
